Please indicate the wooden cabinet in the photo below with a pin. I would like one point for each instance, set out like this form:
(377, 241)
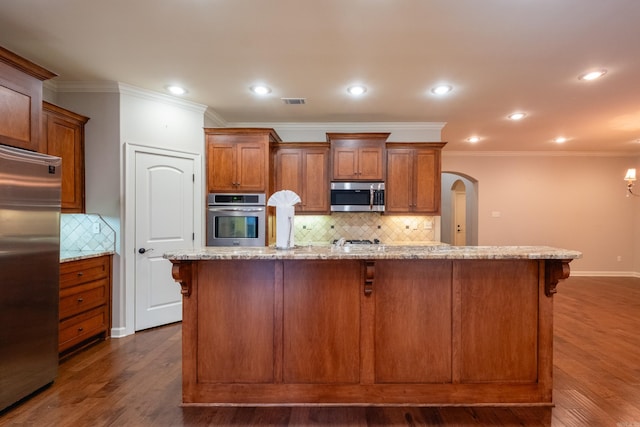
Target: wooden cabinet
(63, 135)
(321, 330)
(238, 159)
(20, 101)
(357, 156)
(240, 316)
(85, 301)
(499, 321)
(421, 353)
(376, 331)
(304, 169)
(413, 178)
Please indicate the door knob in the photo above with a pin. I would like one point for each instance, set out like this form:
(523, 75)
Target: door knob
(143, 250)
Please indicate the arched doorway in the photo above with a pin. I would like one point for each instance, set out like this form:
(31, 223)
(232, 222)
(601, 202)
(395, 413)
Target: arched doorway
(459, 197)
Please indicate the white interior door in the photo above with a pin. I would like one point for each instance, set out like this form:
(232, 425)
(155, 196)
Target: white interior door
(459, 214)
(163, 222)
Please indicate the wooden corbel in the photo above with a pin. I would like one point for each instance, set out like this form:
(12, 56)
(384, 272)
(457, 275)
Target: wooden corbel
(369, 273)
(555, 270)
(181, 272)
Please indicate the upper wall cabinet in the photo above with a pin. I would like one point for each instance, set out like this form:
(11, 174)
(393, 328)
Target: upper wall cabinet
(357, 156)
(413, 178)
(21, 101)
(304, 169)
(238, 159)
(63, 136)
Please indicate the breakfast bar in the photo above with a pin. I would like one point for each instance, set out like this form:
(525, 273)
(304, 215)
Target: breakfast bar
(369, 325)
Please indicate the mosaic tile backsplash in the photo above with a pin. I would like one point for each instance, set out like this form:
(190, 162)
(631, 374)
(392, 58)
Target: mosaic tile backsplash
(311, 229)
(79, 232)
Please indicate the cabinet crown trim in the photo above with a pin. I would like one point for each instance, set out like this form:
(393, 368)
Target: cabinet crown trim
(25, 65)
(382, 136)
(243, 131)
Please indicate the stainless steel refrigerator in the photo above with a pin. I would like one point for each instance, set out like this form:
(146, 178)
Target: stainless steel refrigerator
(29, 272)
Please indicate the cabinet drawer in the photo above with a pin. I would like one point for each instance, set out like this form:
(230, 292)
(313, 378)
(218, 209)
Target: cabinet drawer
(76, 299)
(76, 272)
(79, 328)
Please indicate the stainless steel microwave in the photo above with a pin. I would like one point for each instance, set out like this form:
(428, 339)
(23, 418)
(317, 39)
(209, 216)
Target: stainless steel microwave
(357, 196)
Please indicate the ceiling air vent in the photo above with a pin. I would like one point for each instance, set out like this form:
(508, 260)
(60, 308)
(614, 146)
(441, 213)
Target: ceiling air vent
(294, 101)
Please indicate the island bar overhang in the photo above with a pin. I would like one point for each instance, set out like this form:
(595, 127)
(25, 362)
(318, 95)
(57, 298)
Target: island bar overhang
(268, 327)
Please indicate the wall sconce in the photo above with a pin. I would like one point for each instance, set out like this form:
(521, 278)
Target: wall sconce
(630, 177)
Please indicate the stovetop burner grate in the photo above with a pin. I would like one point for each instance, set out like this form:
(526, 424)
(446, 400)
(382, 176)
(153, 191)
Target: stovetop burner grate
(360, 241)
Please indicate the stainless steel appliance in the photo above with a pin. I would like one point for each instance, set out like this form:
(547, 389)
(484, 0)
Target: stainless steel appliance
(357, 196)
(236, 219)
(29, 272)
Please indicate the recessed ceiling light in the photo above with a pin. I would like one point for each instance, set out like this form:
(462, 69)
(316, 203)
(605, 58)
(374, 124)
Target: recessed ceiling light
(176, 90)
(516, 116)
(260, 89)
(560, 140)
(473, 139)
(356, 90)
(592, 75)
(442, 89)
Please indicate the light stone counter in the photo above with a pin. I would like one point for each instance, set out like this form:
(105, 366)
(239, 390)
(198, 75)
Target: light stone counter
(66, 256)
(372, 252)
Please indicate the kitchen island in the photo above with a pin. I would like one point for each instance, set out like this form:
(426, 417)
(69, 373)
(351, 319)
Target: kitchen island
(372, 325)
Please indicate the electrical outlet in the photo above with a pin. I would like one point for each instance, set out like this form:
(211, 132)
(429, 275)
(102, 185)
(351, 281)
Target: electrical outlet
(96, 228)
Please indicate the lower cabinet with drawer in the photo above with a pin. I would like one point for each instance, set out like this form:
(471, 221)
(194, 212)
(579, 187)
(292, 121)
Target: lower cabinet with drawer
(85, 302)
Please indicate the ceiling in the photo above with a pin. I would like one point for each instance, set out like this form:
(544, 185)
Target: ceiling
(500, 56)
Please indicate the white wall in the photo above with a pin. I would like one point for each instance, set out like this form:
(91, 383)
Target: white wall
(574, 201)
(635, 229)
(120, 114)
(159, 121)
(101, 103)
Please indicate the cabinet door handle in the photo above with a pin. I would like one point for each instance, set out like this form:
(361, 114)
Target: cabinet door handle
(80, 300)
(80, 273)
(80, 329)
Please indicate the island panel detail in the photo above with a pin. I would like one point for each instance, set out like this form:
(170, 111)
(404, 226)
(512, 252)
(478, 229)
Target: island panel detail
(377, 331)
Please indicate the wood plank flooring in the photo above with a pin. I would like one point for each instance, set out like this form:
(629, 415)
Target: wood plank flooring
(135, 381)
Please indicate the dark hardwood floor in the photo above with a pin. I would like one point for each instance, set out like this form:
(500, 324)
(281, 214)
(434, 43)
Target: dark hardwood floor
(135, 381)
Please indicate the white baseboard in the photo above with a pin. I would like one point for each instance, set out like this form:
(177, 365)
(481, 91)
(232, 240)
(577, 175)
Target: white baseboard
(606, 273)
(118, 332)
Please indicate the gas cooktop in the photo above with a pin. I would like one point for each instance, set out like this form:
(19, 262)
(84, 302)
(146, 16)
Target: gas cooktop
(360, 242)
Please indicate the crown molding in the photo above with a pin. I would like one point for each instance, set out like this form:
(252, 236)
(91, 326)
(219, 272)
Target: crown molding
(126, 89)
(446, 153)
(314, 132)
(349, 126)
(213, 119)
(85, 87)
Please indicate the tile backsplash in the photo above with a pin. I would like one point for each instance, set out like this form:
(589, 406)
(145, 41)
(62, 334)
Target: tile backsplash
(364, 225)
(86, 232)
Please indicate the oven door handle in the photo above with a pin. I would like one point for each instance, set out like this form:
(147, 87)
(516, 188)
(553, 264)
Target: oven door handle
(257, 209)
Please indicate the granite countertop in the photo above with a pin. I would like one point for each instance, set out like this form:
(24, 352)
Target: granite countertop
(66, 256)
(434, 251)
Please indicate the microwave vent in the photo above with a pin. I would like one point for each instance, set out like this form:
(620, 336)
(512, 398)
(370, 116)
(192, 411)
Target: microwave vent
(294, 101)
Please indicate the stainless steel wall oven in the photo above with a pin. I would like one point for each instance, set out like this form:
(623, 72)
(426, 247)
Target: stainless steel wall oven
(236, 219)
